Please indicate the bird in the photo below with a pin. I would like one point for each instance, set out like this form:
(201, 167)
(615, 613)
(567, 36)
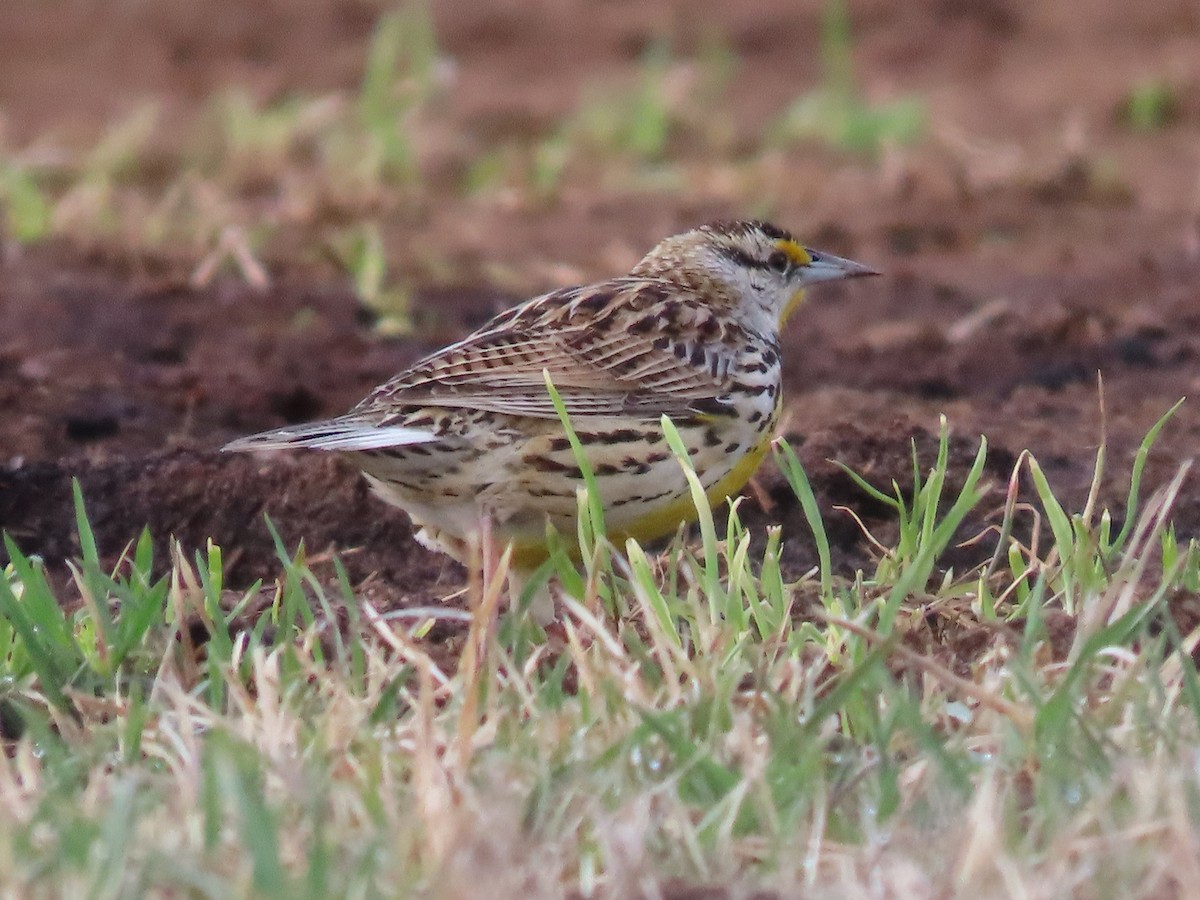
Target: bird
(470, 433)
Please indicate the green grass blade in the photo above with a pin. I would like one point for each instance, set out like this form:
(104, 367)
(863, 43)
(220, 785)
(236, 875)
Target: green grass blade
(1135, 478)
(595, 505)
(708, 531)
(797, 479)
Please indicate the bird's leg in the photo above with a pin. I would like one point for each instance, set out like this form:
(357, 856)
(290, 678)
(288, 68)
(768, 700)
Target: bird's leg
(473, 559)
(481, 558)
(487, 546)
(497, 567)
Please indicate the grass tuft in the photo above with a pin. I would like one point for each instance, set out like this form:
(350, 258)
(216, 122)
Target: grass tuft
(1150, 105)
(836, 113)
(693, 715)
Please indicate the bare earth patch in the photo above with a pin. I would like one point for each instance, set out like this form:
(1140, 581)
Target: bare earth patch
(1041, 254)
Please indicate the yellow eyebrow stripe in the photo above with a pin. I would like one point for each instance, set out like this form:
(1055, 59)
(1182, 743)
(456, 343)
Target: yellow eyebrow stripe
(797, 254)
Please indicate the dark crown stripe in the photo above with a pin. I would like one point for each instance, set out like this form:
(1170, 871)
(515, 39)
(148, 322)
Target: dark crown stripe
(741, 257)
(740, 228)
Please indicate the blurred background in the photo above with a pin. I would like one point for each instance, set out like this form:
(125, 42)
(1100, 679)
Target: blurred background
(219, 217)
(499, 140)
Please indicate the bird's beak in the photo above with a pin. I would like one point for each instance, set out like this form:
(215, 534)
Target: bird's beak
(827, 267)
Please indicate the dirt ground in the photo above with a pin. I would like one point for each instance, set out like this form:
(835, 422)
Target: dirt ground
(1004, 294)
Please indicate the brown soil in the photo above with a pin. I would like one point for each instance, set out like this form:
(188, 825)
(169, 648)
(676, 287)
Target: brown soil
(1003, 298)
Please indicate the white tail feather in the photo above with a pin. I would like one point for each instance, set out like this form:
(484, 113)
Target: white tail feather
(333, 435)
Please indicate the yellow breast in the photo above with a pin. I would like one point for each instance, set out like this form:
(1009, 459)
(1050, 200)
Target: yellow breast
(661, 521)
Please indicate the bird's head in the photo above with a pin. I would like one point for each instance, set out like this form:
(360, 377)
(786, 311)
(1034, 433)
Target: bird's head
(757, 269)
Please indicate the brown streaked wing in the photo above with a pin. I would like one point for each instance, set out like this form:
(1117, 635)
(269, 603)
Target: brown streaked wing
(600, 368)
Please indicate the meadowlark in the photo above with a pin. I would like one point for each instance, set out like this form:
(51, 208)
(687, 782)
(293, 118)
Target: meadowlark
(470, 434)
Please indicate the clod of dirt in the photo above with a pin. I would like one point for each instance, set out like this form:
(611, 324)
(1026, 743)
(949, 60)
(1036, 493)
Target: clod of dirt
(193, 496)
(92, 426)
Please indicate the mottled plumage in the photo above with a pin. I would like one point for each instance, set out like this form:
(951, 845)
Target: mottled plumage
(691, 333)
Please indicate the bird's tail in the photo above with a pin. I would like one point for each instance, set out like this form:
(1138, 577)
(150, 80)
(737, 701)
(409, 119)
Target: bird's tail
(344, 434)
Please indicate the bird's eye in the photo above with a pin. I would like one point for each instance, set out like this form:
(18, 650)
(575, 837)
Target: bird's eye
(778, 262)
